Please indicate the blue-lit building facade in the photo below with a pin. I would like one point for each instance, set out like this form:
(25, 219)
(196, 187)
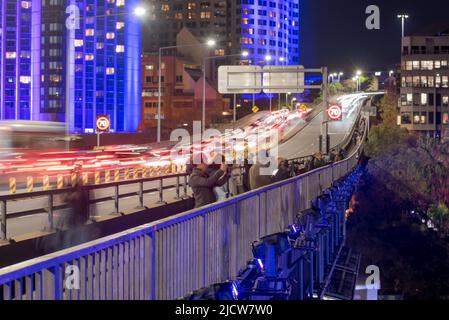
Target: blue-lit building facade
(261, 27)
(89, 66)
(267, 28)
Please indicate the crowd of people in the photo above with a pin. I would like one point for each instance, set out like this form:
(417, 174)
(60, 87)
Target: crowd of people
(214, 182)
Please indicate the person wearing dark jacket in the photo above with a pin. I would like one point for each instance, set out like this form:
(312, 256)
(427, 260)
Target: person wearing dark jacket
(283, 173)
(203, 184)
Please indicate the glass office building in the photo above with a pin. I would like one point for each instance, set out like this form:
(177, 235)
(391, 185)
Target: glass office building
(261, 27)
(82, 56)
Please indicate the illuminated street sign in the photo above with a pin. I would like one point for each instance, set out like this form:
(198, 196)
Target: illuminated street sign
(103, 123)
(334, 113)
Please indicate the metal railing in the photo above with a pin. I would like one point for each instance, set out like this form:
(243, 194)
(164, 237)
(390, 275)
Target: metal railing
(170, 257)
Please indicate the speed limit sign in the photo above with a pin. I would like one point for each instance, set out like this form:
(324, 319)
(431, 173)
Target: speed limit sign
(103, 123)
(334, 113)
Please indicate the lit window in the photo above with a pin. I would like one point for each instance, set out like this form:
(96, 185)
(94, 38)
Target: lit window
(110, 35)
(219, 52)
(89, 57)
(178, 16)
(25, 79)
(149, 67)
(120, 3)
(100, 45)
(11, 55)
(110, 71)
(90, 32)
(191, 5)
(55, 78)
(79, 55)
(206, 15)
(25, 4)
(423, 99)
(79, 42)
(120, 48)
(119, 25)
(445, 100)
(165, 7)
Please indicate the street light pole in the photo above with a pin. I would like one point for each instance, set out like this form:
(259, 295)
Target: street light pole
(324, 145)
(403, 17)
(268, 59)
(209, 43)
(159, 92)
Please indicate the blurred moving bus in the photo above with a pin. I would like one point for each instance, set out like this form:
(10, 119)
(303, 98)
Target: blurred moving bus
(23, 134)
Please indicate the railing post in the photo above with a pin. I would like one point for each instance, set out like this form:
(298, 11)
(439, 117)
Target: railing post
(87, 192)
(3, 220)
(50, 211)
(141, 194)
(178, 192)
(185, 186)
(161, 191)
(116, 199)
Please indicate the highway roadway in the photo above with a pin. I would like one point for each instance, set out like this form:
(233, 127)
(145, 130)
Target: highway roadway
(307, 141)
(303, 143)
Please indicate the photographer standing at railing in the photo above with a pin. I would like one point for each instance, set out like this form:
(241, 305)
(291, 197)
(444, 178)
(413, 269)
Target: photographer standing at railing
(203, 184)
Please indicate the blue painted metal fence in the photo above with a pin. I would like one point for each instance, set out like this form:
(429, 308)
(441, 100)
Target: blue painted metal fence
(169, 258)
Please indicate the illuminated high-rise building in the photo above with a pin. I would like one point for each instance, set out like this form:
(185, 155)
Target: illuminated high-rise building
(261, 27)
(80, 56)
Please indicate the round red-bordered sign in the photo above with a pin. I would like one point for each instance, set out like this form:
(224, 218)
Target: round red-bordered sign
(103, 124)
(334, 112)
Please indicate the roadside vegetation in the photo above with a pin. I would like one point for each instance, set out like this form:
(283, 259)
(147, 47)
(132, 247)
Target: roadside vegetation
(401, 221)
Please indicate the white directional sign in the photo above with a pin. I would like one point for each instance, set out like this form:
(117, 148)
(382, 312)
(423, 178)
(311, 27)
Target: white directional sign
(239, 79)
(283, 79)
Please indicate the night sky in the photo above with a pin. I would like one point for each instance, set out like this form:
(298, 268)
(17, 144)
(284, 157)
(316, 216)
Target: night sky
(334, 33)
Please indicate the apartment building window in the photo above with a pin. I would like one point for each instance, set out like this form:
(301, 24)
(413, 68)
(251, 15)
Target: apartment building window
(445, 118)
(406, 118)
(445, 82)
(416, 118)
(205, 15)
(431, 118)
(25, 79)
(191, 5)
(445, 101)
(149, 79)
(423, 118)
(427, 65)
(79, 42)
(149, 67)
(165, 7)
(25, 4)
(424, 100)
(179, 79)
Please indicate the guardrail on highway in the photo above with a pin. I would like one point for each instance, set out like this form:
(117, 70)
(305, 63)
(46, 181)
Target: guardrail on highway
(168, 258)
